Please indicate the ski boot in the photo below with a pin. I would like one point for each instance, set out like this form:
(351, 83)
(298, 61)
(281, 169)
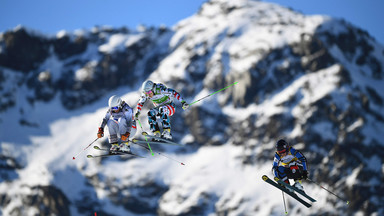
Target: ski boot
(288, 188)
(298, 185)
(114, 148)
(156, 134)
(124, 147)
(167, 134)
(286, 180)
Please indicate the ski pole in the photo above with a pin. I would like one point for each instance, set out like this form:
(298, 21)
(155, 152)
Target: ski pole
(213, 93)
(145, 137)
(74, 157)
(346, 201)
(285, 207)
(161, 154)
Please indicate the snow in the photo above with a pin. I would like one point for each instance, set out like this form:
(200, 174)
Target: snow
(61, 34)
(86, 73)
(351, 179)
(213, 169)
(118, 42)
(234, 42)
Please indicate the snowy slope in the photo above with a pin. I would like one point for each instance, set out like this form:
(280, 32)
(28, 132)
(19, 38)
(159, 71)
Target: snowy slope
(314, 80)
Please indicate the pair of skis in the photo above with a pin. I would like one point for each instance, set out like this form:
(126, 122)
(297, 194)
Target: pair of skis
(135, 141)
(159, 140)
(111, 153)
(283, 187)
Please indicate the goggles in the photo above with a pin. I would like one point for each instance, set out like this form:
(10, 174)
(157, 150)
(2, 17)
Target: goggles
(115, 108)
(282, 151)
(148, 92)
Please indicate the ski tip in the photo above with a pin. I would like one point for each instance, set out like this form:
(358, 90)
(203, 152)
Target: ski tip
(183, 164)
(347, 202)
(73, 158)
(96, 147)
(264, 177)
(144, 133)
(89, 156)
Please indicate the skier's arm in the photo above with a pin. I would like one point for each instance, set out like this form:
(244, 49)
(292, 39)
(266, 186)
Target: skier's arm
(301, 157)
(100, 132)
(105, 119)
(275, 164)
(140, 105)
(128, 113)
(178, 97)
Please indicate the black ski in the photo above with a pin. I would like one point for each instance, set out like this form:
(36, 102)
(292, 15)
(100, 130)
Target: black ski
(111, 154)
(295, 189)
(293, 195)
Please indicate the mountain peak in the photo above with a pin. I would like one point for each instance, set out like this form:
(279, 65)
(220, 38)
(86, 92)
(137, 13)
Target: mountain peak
(313, 79)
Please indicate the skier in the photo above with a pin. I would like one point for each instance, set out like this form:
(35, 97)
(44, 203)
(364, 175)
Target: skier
(162, 98)
(289, 163)
(120, 121)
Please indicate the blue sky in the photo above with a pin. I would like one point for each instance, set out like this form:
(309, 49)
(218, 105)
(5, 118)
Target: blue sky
(51, 16)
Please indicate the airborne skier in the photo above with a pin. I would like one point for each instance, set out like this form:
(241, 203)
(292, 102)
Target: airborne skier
(162, 98)
(120, 121)
(289, 163)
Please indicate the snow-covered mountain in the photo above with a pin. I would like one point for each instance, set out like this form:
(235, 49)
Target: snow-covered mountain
(315, 80)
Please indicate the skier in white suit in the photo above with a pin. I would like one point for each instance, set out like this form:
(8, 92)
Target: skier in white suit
(120, 121)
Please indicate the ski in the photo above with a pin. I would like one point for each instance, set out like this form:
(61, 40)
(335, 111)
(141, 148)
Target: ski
(134, 140)
(161, 139)
(293, 195)
(295, 189)
(111, 154)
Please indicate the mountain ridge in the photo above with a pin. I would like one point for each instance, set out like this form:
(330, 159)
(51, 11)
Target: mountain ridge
(311, 79)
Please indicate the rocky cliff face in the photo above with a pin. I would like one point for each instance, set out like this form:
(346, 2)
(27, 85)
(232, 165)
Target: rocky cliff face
(65, 64)
(314, 80)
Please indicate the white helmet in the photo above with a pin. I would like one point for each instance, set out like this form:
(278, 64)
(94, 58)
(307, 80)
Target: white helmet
(147, 86)
(114, 101)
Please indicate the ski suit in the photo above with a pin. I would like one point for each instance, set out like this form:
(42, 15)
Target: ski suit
(164, 105)
(119, 123)
(291, 166)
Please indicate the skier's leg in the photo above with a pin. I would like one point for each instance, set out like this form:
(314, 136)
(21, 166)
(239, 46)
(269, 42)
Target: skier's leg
(113, 128)
(283, 173)
(165, 113)
(298, 176)
(124, 131)
(295, 171)
(152, 121)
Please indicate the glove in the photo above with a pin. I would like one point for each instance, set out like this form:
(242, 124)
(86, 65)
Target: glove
(124, 137)
(100, 133)
(137, 115)
(185, 105)
(305, 174)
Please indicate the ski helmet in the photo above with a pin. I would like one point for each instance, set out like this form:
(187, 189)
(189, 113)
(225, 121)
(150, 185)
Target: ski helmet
(114, 102)
(147, 86)
(282, 146)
